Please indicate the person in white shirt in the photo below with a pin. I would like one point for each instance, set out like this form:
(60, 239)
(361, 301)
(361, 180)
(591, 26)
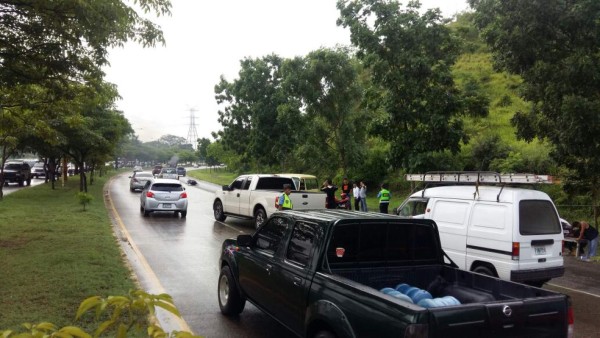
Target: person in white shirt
(356, 194)
(363, 196)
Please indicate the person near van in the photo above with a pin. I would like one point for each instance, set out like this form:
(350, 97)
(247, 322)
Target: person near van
(591, 234)
(285, 203)
(329, 190)
(384, 196)
(356, 194)
(363, 196)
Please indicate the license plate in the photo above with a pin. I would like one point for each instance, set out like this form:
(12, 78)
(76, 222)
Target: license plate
(168, 206)
(540, 250)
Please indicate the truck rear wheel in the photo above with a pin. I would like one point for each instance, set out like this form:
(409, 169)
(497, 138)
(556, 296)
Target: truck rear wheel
(218, 211)
(29, 181)
(231, 302)
(260, 217)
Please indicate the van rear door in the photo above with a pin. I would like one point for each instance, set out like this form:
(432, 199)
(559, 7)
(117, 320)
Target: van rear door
(540, 236)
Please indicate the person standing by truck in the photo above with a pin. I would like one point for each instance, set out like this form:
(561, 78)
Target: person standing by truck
(591, 234)
(347, 189)
(363, 196)
(356, 194)
(285, 203)
(384, 196)
(329, 189)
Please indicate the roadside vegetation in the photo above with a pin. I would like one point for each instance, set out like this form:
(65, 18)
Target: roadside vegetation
(54, 254)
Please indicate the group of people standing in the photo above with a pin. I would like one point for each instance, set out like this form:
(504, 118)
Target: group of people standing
(358, 191)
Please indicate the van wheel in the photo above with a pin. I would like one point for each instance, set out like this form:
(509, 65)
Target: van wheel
(218, 211)
(324, 334)
(484, 270)
(231, 302)
(260, 217)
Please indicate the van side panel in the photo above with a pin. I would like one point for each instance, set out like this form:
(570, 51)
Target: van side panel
(490, 237)
(451, 217)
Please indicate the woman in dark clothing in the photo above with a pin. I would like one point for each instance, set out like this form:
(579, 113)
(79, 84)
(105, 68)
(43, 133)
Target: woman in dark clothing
(329, 189)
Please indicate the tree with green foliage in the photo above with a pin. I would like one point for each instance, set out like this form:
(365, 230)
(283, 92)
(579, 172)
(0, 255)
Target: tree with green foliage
(410, 57)
(334, 130)
(203, 144)
(254, 124)
(554, 46)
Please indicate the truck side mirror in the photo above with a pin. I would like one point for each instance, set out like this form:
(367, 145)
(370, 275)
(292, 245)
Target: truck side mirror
(226, 188)
(244, 240)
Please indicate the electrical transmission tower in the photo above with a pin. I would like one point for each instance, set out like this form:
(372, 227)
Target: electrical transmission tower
(192, 136)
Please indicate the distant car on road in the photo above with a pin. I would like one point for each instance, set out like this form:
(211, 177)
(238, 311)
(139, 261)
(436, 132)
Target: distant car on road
(156, 170)
(181, 171)
(168, 173)
(137, 168)
(138, 180)
(38, 170)
(163, 195)
(17, 172)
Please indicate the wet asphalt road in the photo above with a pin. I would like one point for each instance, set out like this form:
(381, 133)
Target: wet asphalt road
(182, 257)
(12, 187)
(184, 253)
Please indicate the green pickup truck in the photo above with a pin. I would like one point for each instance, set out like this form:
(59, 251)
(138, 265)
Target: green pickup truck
(336, 273)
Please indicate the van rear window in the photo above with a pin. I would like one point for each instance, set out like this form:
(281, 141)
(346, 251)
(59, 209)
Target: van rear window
(538, 217)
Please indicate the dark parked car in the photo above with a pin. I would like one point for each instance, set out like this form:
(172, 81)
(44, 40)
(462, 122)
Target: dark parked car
(337, 273)
(156, 170)
(180, 171)
(17, 172)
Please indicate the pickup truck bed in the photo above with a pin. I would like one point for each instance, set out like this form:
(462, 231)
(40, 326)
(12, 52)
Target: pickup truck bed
(535, 312)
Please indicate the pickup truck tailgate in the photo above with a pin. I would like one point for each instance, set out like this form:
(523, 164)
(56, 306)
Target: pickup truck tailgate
(529, 318)
(307, 200)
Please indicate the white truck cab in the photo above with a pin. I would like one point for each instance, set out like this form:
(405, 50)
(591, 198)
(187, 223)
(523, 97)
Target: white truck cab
(504, 231)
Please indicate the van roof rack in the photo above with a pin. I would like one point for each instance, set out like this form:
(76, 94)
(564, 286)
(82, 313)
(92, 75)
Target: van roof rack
(477, 178)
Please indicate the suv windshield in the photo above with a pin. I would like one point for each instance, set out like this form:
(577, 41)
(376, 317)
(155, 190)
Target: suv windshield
(538, 217)
(167, 187)
(13, 166)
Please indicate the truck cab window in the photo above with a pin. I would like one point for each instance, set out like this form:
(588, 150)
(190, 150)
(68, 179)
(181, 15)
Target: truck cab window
(237, 184)
(270, 235)
(301, 243)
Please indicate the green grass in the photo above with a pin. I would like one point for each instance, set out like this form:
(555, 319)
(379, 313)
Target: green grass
(53, 255)
(218, 176)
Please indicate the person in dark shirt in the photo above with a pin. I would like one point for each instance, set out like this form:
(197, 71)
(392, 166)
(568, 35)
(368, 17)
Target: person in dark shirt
(329, 189)
(347, 189)
(591, 234)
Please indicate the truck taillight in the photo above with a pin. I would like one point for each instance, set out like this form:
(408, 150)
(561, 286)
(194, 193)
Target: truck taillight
(149, 194)
(183, 195)
(516, 251)
(416, 331)
(570, 321)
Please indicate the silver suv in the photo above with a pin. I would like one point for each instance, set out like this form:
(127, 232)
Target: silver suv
(164, 195)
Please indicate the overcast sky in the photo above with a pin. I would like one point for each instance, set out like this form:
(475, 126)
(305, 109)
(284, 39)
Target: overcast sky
(207, 39)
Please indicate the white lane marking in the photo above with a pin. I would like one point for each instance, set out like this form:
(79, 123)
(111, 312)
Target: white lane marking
(151, 274)
(575, 290)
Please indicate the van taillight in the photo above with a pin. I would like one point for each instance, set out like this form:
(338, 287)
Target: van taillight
(516, 251)
(570, 321)
(416, 331)
(183, 195)
(150, 194)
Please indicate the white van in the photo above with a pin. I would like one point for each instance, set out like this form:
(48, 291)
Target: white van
(511, 233)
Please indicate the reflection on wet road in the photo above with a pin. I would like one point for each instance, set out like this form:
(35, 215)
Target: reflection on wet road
(183, 254)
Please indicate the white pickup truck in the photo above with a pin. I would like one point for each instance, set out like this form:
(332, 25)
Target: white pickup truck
(254, 196)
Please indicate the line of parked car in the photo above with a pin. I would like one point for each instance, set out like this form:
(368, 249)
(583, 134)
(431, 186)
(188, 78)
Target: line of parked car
(161, 190)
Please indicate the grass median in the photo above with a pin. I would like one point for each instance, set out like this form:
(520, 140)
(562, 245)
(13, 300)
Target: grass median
(53, 254)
